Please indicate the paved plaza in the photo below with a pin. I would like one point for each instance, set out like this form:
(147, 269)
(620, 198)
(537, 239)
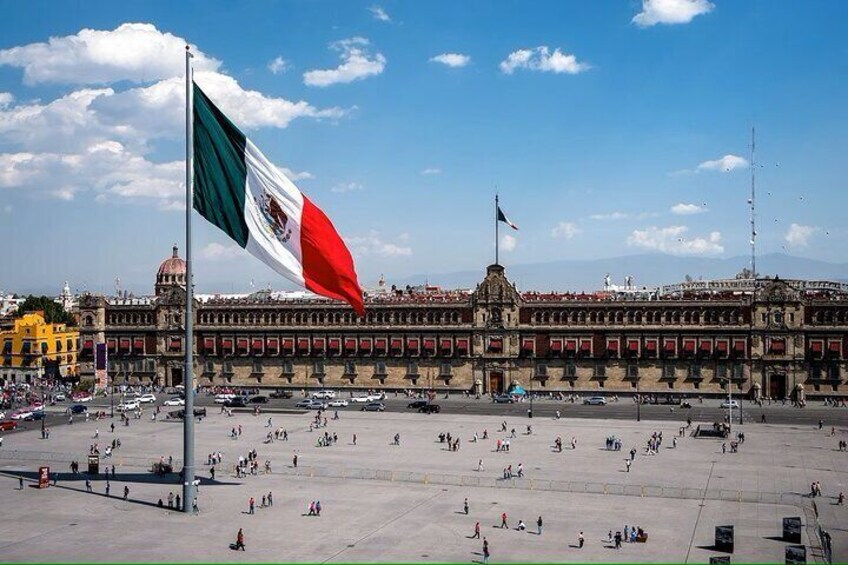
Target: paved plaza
(384, 502)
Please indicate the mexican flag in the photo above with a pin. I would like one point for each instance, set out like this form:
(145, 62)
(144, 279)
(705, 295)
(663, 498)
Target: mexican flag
(239, 190)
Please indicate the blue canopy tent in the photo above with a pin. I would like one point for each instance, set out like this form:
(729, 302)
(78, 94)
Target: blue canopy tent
(517, 390)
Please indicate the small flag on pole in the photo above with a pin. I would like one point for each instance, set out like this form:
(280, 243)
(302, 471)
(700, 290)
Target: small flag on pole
(502, 218)
(239, 190)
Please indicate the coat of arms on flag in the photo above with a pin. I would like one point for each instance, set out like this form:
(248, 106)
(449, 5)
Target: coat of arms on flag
(276, 218)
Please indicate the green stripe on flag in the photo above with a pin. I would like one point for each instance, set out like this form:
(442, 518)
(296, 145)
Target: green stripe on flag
(219, 170)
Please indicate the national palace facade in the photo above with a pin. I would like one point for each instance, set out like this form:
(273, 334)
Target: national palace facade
(767, 336)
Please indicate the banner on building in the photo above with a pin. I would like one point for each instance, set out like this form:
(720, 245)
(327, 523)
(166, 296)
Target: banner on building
(101, 357)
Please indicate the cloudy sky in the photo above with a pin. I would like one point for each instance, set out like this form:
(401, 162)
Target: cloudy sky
(608, 128)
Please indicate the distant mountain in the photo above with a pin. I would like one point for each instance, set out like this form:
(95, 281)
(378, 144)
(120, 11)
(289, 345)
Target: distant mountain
(647, 270)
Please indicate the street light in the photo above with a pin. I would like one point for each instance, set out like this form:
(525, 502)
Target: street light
(638, 402)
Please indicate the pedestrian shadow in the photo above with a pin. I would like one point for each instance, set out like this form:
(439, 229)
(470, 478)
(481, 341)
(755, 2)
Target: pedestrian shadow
(573, 546)
(711, 547)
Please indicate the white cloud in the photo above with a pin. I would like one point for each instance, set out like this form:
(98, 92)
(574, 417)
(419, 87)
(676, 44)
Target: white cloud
(451, 59)
(136, 52)
(683, 209)
(347, 187)
(541, 59)
(724, 164)
(508, 242)
(99, 139)
(431, 171)
(373, 244)
(293, 176)
(671, 11)
(357, 64)
(672, 240)
(218, 252)
(379, 14)
(799, 236)
(565, 230)
(278, 65)
(610, 216)
(159, 109)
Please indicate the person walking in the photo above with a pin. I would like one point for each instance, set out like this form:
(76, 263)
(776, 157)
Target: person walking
(294, 460)
(170, 500)
(486, 551)
(628, 462)
(465, 506)
(318, 508)
(480, 466)
(580, 540)
(194, 507)
(108, 487)
(503, 521)
(21, 483)
(239, 540)
(177, 502)
(87, 485)
(539, 526)
(251, 504)
(126, 492)
(476, 531)
(270, 499)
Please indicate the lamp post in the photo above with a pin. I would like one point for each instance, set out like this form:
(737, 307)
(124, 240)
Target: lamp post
(638, 402)
(43, 412)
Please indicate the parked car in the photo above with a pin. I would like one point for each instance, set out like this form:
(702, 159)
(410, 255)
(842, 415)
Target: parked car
(305, 403)
(360, 399)
(503, 399)
(176, 401)
(337, 403)
(595, 401)
(259, 399)
(374, 407)
(60, 396)
(180, 414)
(326, 394)
(222, 398)
(77, 409)
(8, 425)
(281, 393)
(376, 397)
(21, 414)
(416, 404)
(430, 409)
(147, 398)
(237, 402)
(35, 415)
(128, 405)
(730, 404)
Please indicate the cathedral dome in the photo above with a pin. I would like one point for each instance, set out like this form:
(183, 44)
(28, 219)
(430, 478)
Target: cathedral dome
(173, 265)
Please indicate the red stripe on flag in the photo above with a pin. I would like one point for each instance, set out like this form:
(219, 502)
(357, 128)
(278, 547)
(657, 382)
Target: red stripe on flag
(327, 265)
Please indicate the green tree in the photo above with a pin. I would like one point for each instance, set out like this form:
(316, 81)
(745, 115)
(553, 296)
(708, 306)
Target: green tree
(54, 313)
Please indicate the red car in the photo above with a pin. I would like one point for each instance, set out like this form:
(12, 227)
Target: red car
(8, 425)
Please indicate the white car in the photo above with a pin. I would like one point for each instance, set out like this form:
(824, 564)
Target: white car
(128, 406)
(176, 401)
(60, 396)
(362, 399)
(325, 394)
(337, 403)
(147, 398)
(22, 414)
(376, 397)
(222, 398)
(730, 404)
(81, 397)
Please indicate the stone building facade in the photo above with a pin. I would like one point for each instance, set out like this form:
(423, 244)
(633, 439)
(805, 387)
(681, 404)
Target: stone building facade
(769, 337)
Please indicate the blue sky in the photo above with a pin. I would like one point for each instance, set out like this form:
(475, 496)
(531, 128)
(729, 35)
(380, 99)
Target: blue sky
(605, 135)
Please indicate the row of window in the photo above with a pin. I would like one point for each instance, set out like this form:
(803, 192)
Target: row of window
(725, 316)
(29, 347)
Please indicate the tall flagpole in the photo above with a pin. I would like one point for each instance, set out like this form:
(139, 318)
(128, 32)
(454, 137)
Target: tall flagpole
(188, 371)
(496, 229)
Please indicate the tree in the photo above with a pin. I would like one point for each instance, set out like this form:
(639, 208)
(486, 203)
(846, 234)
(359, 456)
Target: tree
(54, 313)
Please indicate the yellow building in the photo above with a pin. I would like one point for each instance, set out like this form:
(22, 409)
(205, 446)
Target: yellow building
(33, 348)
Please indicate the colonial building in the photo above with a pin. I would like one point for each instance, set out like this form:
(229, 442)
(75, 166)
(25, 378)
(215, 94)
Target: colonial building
(766, 336)
(34, 349)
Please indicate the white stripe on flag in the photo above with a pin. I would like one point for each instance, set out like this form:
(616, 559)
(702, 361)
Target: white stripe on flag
(286, 256)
